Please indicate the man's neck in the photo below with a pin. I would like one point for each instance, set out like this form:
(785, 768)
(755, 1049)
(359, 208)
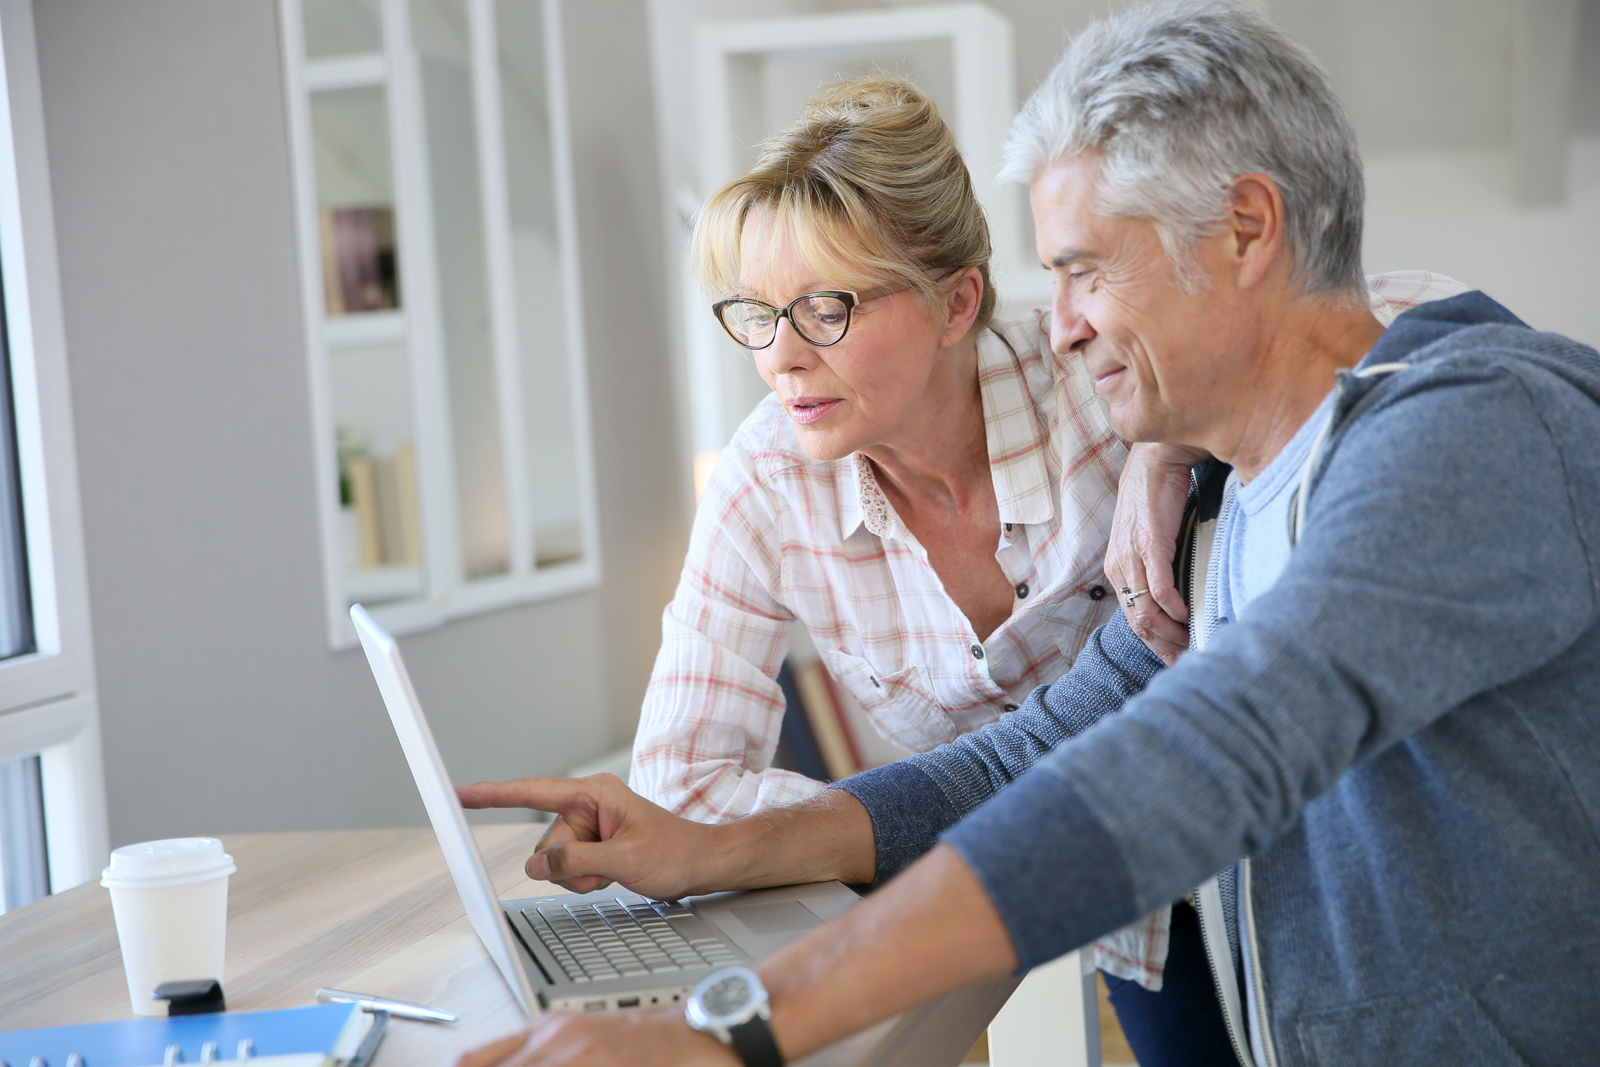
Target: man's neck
(1301, 356)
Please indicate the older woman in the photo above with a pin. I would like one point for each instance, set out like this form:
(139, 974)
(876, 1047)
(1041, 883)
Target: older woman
(928, 493)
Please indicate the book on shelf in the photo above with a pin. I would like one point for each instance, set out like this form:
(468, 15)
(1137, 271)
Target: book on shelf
(364, 499)
(821, 702)
(798, 750)
(358, 259)
(405, 478)
(383, 492)
(816, 739)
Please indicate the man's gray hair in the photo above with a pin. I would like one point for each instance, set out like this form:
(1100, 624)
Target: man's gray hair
(1180, 99)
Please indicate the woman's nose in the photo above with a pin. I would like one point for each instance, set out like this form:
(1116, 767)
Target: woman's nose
(789, 352)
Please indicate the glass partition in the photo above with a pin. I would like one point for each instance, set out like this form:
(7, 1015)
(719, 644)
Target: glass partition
(342, 27)
(543, 344)
(380, 529)
(446, 362)
(444, 54)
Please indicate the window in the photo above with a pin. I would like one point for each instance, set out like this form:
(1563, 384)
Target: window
(24, 861)
(16, 599)
(52, 806)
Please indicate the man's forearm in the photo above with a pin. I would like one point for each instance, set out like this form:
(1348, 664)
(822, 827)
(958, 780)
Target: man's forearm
(878, 959)
(827, 836)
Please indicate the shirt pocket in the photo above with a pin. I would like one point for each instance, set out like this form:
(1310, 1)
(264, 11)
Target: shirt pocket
(900, 705)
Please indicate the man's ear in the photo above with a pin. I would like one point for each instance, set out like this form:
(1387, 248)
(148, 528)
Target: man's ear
(1255, 226)
(964, 296)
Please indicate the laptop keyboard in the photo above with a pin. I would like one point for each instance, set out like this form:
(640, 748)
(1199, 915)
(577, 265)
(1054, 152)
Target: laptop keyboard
(616, 939)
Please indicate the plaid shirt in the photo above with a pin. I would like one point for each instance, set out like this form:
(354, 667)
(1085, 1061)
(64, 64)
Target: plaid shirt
(780, 536)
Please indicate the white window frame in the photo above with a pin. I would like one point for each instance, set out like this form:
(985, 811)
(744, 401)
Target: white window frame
(446, 594)
(47, 698)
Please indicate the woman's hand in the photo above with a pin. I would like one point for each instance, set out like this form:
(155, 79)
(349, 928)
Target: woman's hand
(605, 832)
(612, 1039)
(1144, 541)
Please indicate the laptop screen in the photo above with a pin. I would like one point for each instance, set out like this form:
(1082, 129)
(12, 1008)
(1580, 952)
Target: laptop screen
(444, 809)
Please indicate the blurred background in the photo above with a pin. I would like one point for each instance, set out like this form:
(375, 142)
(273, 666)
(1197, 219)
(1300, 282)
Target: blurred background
(385, 301)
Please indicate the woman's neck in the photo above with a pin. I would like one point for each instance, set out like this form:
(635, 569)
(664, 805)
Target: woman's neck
(939, 456)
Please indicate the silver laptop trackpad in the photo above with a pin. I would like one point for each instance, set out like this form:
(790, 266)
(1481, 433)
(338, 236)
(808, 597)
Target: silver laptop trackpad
(784, 917)
(761, 921)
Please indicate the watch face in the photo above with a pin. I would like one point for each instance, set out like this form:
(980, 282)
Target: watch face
(727, 996)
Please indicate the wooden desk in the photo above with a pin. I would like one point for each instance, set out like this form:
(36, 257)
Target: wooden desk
(374, 911)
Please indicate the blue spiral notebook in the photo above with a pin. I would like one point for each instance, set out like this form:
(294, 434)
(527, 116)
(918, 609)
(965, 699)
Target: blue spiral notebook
(319, 1033)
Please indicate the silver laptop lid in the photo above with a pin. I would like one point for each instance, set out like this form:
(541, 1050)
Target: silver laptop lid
(444, 809)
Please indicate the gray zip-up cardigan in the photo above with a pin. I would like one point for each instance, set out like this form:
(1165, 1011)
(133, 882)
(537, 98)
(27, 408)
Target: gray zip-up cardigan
(1403, 732)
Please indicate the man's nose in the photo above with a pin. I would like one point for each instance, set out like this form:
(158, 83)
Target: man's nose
(1069, 329)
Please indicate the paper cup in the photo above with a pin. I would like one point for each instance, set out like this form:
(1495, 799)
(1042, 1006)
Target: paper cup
(170, 899)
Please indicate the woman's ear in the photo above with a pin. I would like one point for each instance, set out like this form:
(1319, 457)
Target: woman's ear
(963, 299)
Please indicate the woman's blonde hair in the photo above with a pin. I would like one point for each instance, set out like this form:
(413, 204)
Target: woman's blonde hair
(869, 186)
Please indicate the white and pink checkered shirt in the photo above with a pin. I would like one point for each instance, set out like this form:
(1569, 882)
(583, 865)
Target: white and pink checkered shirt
(780, 536)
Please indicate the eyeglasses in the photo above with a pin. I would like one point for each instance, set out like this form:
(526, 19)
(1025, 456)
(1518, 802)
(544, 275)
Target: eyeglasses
(821, 318)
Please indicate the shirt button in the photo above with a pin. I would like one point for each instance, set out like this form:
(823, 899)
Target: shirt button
(1008, 527)
(977, 651)
(1022, 591)
(1011, 707)
(1097, 592)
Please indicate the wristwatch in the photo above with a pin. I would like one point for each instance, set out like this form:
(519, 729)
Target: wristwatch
(730, 1004)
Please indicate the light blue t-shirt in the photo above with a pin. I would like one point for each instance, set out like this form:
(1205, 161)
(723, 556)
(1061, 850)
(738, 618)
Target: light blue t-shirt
(1250, 551)
(1252, 542)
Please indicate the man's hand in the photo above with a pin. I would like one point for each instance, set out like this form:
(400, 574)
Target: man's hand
(620, 1039)
(1144, 540)
(605, 832)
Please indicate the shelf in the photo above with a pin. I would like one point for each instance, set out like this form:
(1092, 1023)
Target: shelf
(364, 329)
(345, 72)
(377, 585)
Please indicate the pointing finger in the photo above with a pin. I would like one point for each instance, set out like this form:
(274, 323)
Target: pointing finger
(540, 794)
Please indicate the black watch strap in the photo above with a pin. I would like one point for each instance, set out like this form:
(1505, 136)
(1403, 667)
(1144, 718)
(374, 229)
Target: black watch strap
(754, 1043)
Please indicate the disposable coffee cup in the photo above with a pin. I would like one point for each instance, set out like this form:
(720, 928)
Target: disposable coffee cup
(170, 899)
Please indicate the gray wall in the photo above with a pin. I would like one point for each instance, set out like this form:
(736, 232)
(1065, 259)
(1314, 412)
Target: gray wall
(221, 706)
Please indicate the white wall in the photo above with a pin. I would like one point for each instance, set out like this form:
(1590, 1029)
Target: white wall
(221, 706)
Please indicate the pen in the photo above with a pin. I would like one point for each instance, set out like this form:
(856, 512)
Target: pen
(397, 1008)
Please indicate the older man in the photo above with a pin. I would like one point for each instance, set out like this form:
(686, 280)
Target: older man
(1392, 708)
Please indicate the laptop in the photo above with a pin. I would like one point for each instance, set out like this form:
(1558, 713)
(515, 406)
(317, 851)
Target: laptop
(599, 951)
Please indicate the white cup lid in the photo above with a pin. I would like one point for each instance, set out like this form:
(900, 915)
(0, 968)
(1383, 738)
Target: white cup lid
(175, 861)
